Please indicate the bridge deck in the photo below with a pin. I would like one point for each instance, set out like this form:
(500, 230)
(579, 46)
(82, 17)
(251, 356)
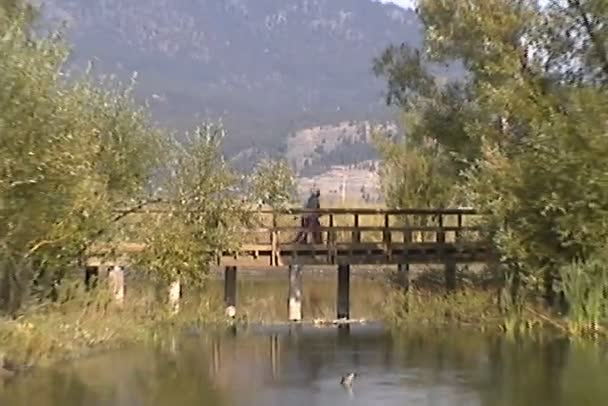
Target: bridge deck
(356, 254)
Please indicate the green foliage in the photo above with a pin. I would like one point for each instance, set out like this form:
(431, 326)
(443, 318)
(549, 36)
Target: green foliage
(585, 284)
(15, 12)
(205, 216)
(67, 153)
(525, 127)
(548, 199)
(73, 151)
(273, 184)
(414, 176)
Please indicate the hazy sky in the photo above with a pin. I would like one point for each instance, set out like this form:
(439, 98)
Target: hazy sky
(403, 3)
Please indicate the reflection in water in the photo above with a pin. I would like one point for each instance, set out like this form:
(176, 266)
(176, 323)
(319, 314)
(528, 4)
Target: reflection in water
(302, 365)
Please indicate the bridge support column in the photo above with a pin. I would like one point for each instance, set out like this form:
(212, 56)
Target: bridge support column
(230, 291)
(450, 274)
(343, 291)
(295, 293)
(91, 276)
(403, 276)
(116, 279)
(175, 289)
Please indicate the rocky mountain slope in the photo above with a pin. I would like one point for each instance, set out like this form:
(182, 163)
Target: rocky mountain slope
(267, 68)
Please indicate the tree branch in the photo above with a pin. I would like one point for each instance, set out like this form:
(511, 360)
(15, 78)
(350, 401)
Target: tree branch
(116, 219)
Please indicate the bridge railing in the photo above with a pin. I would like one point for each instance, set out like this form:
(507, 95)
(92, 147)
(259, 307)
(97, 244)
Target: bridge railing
(354, 226)
(273, 232)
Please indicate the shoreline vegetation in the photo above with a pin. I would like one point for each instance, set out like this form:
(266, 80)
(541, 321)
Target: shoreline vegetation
(522, 138)
(82, 323)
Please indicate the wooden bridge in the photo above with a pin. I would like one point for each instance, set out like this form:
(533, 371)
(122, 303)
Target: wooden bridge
(348, 237)
(363, 237)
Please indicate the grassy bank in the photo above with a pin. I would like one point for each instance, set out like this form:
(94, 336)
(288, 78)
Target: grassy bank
(480, 302)
(80, 323)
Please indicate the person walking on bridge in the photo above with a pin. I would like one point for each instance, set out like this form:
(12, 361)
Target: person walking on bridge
(310, 221)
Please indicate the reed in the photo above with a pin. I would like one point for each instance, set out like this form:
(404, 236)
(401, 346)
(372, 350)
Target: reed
(80, 322)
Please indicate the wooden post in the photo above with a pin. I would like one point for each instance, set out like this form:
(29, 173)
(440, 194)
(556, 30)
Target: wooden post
(294, 305)
(273, 247)
(116, 279)
(91, 276)
(407, 231)
(403, 274)
(356, 235)
(175, 289)
(440, 232)
(386, 235)
(230, 290)
(450, 274)
(458, 234)
(343, 291)
(275, 259)
(331, 241)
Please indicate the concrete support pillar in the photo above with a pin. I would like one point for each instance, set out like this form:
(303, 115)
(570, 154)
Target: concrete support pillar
(230, 291)
(116, 279)
(175, 289)
(450, 274)
(403, 276)
(295, 293)
(343, 291)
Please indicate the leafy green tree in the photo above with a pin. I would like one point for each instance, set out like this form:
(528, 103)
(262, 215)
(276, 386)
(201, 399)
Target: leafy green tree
(525, 126)
(201, 211)
(70, 153)
(273, 183)
(80, 161)
(414, 176)
(11, 11)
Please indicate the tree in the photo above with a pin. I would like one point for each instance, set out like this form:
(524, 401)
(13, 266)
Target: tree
(202, 211)
(525, 126)
(413, 176)
(67, 153)
(79, 159)
(273, 183)
(15, 12)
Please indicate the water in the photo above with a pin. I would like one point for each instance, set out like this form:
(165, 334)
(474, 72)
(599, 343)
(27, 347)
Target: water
(302, 366)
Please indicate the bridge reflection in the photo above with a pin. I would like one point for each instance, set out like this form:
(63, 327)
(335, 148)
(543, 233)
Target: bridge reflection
(296, 353)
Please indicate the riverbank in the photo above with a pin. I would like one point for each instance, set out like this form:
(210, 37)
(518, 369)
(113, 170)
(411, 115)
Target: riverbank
(90, 322)
(480, 302)
(81, 323)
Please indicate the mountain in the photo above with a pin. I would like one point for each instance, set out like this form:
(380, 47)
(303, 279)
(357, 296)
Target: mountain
(266, 68)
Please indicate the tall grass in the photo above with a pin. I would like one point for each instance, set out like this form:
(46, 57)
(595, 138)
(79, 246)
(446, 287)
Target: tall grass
(80, 321)
(585, 285)
(420, 307)
(264, 300)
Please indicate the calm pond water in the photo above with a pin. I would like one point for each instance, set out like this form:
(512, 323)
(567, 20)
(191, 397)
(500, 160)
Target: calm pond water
(302, 366)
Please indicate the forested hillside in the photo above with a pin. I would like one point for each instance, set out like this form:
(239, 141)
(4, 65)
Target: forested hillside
(266, 67)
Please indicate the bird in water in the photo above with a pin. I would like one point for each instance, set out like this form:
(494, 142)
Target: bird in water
(347, 380)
